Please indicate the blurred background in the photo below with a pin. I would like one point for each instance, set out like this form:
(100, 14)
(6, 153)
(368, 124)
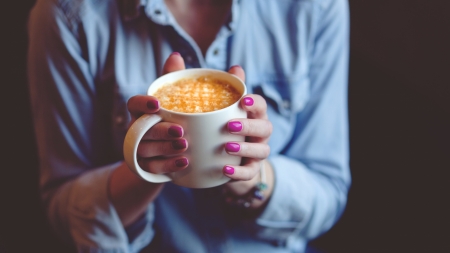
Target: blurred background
(399, 133)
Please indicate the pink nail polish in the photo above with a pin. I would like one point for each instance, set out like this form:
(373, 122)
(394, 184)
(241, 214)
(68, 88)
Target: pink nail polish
(175, 53)
(175, 131)
(232, 147)
(153, 104)
(181, 162)
(234, 126)
(235, 66)
(228, 170)
(248, 101)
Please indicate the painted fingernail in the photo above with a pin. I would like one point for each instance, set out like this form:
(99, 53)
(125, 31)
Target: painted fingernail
(175, 53)
(153, 104)
(228, 170)
(235, 66)
(181, 162)
(232, 147)
(175, 131)
(248, 101)
(234, 126)
(179, 144)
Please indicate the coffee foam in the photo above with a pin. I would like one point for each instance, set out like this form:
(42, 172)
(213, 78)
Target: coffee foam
(203, 94)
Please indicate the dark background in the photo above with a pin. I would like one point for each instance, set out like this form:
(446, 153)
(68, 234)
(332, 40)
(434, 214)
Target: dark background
(399, 124)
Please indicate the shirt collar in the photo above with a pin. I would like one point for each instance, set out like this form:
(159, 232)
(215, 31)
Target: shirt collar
(158, 12)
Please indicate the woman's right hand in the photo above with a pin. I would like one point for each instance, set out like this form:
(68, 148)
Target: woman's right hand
(129, 193)
(163, 138)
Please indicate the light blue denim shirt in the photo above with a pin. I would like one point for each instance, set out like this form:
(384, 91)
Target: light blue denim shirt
(88, 57)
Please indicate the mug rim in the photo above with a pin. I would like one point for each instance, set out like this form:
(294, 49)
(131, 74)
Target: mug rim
(244, 91)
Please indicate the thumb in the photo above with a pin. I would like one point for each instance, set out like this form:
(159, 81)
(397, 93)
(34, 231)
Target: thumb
(173, 63)
(237, 71)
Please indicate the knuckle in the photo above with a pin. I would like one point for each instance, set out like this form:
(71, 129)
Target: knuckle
(249, 173)
(168, 166)
(247, 177)
(167, 148)
(156, 132)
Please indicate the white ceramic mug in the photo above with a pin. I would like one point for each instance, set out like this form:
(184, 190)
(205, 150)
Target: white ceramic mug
(205, 132)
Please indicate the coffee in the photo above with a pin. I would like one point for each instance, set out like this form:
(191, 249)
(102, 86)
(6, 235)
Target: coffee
(196, 95)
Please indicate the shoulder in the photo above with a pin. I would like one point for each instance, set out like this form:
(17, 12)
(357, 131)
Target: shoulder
(71, 12)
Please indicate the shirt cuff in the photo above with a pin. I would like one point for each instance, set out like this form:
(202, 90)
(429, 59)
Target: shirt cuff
(95, 225)
(303, 204)
(288, 208)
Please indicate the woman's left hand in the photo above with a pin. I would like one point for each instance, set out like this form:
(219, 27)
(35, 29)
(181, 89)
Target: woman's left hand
(257, 129)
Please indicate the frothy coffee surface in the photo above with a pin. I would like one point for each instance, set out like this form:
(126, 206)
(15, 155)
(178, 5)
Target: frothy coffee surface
(203, 94)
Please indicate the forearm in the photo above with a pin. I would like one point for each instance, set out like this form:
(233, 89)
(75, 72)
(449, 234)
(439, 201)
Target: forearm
(81, 213)
(130, 194)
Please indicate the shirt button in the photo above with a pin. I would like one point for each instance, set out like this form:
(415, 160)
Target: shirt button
(189, 58)
(157, 12)
(216, 51)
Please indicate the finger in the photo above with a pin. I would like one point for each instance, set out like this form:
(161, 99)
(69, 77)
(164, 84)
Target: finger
(140, 104)
(255, 105)
(147, 149)
(164, 131)
(247, 149)
(164, 165)
(250, 127)
(173, 63)
(237, 71)
(243, 173)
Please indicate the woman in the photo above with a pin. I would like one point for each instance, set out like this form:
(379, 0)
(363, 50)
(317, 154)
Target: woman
(91, 61)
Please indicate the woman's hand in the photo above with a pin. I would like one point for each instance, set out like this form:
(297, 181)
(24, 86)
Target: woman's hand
(163, 138)
(257, 129)
(129, 193)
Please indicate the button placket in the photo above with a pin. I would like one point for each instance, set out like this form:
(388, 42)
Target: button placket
(209, 208)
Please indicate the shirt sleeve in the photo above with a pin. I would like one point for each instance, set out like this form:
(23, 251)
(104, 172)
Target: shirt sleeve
(73, 134)
(312, 175)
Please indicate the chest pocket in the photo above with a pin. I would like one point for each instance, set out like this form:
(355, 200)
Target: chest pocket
(287, 95)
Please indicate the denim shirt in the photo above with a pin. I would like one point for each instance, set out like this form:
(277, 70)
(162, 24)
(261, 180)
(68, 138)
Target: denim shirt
(88, 57)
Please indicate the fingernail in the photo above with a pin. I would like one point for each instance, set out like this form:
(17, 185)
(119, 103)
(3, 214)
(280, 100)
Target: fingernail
(153, 104)
(181, 162)
(248, 101)
(232, 147)
(235, 66)
(175, 131)
(179, 144)
(228, 170)
(175, 53)
(234, 126)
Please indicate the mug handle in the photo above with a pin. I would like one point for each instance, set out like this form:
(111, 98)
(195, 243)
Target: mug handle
(130, 145)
